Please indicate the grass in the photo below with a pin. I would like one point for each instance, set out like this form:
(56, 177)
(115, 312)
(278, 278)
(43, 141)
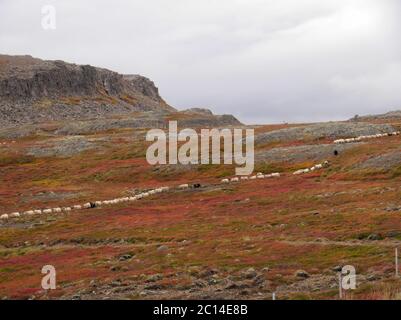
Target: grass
(287, 224)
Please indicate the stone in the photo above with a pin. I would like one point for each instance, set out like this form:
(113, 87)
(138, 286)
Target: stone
(302, 274)
(374, 237)
(154, 278)
(162, 248)
(250, 273)
(125, 257)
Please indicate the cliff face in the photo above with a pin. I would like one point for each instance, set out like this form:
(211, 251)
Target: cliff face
(24, 77)
(34, 91)
(29, 85)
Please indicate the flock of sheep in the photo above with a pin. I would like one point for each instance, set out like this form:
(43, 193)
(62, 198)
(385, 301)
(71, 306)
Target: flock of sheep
(319, 166)
(260, 175)
(88, 205)
(96, 204)
(361, 138)
(5, 143)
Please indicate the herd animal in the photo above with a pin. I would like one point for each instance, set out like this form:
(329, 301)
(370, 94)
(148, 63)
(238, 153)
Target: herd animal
(361, 138)
(312, 169)
(89, 205)
(5, 143)
(259, 175)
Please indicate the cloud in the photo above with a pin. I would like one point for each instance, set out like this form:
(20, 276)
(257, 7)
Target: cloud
(262, 60)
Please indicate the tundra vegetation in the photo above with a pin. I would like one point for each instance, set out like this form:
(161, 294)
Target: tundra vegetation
(228, 237)
(77, 193)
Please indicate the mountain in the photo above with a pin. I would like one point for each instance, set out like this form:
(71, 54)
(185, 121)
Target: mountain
(36, 91)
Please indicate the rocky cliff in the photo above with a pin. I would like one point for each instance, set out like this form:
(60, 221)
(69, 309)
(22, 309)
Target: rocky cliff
(33, 90)
(36, 92)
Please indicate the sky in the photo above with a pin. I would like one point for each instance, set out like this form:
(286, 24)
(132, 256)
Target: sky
(265, 61)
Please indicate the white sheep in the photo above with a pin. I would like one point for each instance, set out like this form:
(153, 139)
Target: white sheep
(319, 166)
(151, 192)
(57, 210)
(15, 215)
(183, 186)
(4, 217)
(29, 213)
(47, 211)
(253, 178)
(225, 181)
(139, 196)
(298, 172)
(66, 209)
(165, 189)
(38, 212)
(146, 194)
(260, 176)
(244, 178)
(77, 207)
(132, 198)
(234, 179)
(87, 205)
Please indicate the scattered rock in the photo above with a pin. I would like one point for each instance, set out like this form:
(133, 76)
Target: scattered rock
(125, 257)
(374, 237)
(372, 277)
(115, 268)
(250, 273)
(302, 274)
(208, 273)
(162, 248)
(154, 278)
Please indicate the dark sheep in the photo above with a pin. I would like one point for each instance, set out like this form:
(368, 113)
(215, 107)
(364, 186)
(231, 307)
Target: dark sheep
(197, 186)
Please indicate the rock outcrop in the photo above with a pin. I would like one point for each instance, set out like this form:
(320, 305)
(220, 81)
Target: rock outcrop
(86, 98)
(396, 114)
(33, 90)
(333, 130)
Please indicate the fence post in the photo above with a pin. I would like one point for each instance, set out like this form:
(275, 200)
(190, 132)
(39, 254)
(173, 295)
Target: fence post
(340, 285)
(396, 262)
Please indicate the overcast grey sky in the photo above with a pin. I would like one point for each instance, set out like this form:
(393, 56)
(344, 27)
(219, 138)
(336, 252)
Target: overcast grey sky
(262, 60)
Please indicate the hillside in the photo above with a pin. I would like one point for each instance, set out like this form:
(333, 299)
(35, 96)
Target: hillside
(34, 91)
(242, 240)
